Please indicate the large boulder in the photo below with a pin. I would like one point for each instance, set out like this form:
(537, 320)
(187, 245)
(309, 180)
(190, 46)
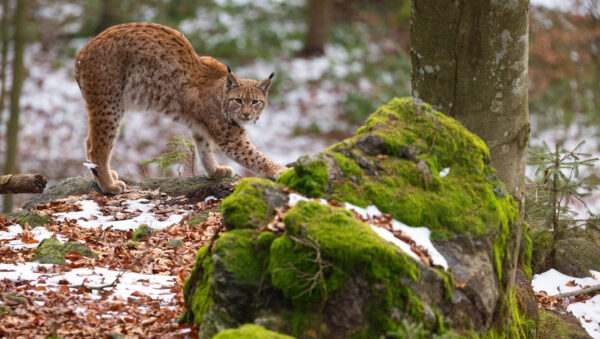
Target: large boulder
(328, 274)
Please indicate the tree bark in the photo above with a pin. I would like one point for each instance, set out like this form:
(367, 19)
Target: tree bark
(318, 27)
(15, 95)
(22, 183)
(4, 57)
(107, 15)
(469, 60)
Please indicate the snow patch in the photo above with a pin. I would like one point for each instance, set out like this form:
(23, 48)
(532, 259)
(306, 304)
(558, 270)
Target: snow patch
(554, 282)
(154, 286)
(91, 216)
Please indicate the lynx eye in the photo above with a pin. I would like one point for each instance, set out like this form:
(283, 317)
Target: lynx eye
(238, 101)
(254, 102)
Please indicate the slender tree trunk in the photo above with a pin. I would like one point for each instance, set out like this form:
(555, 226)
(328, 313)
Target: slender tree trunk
(469, 60)
(318, 27)
(107, 15)
(15, 95)
(4, 56)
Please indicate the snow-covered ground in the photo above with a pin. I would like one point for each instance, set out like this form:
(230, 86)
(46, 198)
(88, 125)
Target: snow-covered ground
(151, 285)
(588, 311)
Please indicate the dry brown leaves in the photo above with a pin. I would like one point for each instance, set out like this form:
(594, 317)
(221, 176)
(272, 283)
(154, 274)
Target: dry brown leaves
(82, 312)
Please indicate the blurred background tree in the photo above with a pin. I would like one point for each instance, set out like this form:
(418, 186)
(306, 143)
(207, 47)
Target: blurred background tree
(12, 144)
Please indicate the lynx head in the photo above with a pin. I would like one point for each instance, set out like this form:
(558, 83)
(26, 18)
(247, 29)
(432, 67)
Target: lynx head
(245, 99)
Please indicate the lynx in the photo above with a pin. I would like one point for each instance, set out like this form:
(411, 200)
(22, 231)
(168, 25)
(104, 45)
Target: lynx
(154, 68)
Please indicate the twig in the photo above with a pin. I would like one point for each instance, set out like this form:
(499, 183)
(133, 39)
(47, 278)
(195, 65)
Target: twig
(578, 292)
(114, 283)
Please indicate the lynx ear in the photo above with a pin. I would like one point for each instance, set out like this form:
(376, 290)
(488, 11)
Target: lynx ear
(264, 85)
(232, 82)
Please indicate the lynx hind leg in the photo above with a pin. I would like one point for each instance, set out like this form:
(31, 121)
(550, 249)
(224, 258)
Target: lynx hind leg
(204, 152)
(102, 133)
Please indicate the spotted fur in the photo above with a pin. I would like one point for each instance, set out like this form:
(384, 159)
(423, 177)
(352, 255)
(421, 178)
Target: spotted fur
(152, 67)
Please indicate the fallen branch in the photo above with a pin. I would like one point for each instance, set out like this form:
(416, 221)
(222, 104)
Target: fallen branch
(22, 183)
(578, 292)
(114, 283)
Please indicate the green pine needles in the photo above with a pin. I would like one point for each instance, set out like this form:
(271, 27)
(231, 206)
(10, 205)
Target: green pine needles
(182, 155)
(559, 185)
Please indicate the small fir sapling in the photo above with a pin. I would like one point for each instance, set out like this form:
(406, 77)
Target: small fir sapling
(559, 185)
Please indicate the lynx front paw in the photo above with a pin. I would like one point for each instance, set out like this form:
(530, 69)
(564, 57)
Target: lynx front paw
(114, 175)
(222, 172)
(117, 187)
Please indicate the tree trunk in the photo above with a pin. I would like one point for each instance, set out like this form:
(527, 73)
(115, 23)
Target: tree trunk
(318, 27)
(469, 60)
(4, 56)
(107, 15)
(15, 95)
(22, 183)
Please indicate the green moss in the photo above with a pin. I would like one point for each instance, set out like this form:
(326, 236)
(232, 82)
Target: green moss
(541, 248)
(519, 325)
(448, 283)
(264, 241)
(51, 251)
(77, 247)
(247, 206)
(32, 219)
(463, 202)
(175, 243)
(345, 245)
(308, 176)
(48, 252)
(525, 260)
(237, 250)
(250, 331)
(200, 301)
(348, 166)
(552, 326)
(132, 244)
(142, 231)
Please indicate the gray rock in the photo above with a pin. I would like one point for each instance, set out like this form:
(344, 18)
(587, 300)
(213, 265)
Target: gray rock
(196, 188)
(371, 144)
(576, 257)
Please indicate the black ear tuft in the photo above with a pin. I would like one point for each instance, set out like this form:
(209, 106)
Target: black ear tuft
(228, 69)
(271, 76)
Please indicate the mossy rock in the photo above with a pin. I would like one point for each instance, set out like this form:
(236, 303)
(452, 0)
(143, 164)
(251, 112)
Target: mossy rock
(175, 243)
(560, 326)
(32, 219)
(541, 259)
(394, 163)
(143, 231)
(330, 275)
(250, 331)
(48, 252)
(252, 204)
(576, 257)
(52, 251)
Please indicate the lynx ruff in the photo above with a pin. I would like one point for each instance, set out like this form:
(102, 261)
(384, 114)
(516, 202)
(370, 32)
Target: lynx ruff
(147, 66)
